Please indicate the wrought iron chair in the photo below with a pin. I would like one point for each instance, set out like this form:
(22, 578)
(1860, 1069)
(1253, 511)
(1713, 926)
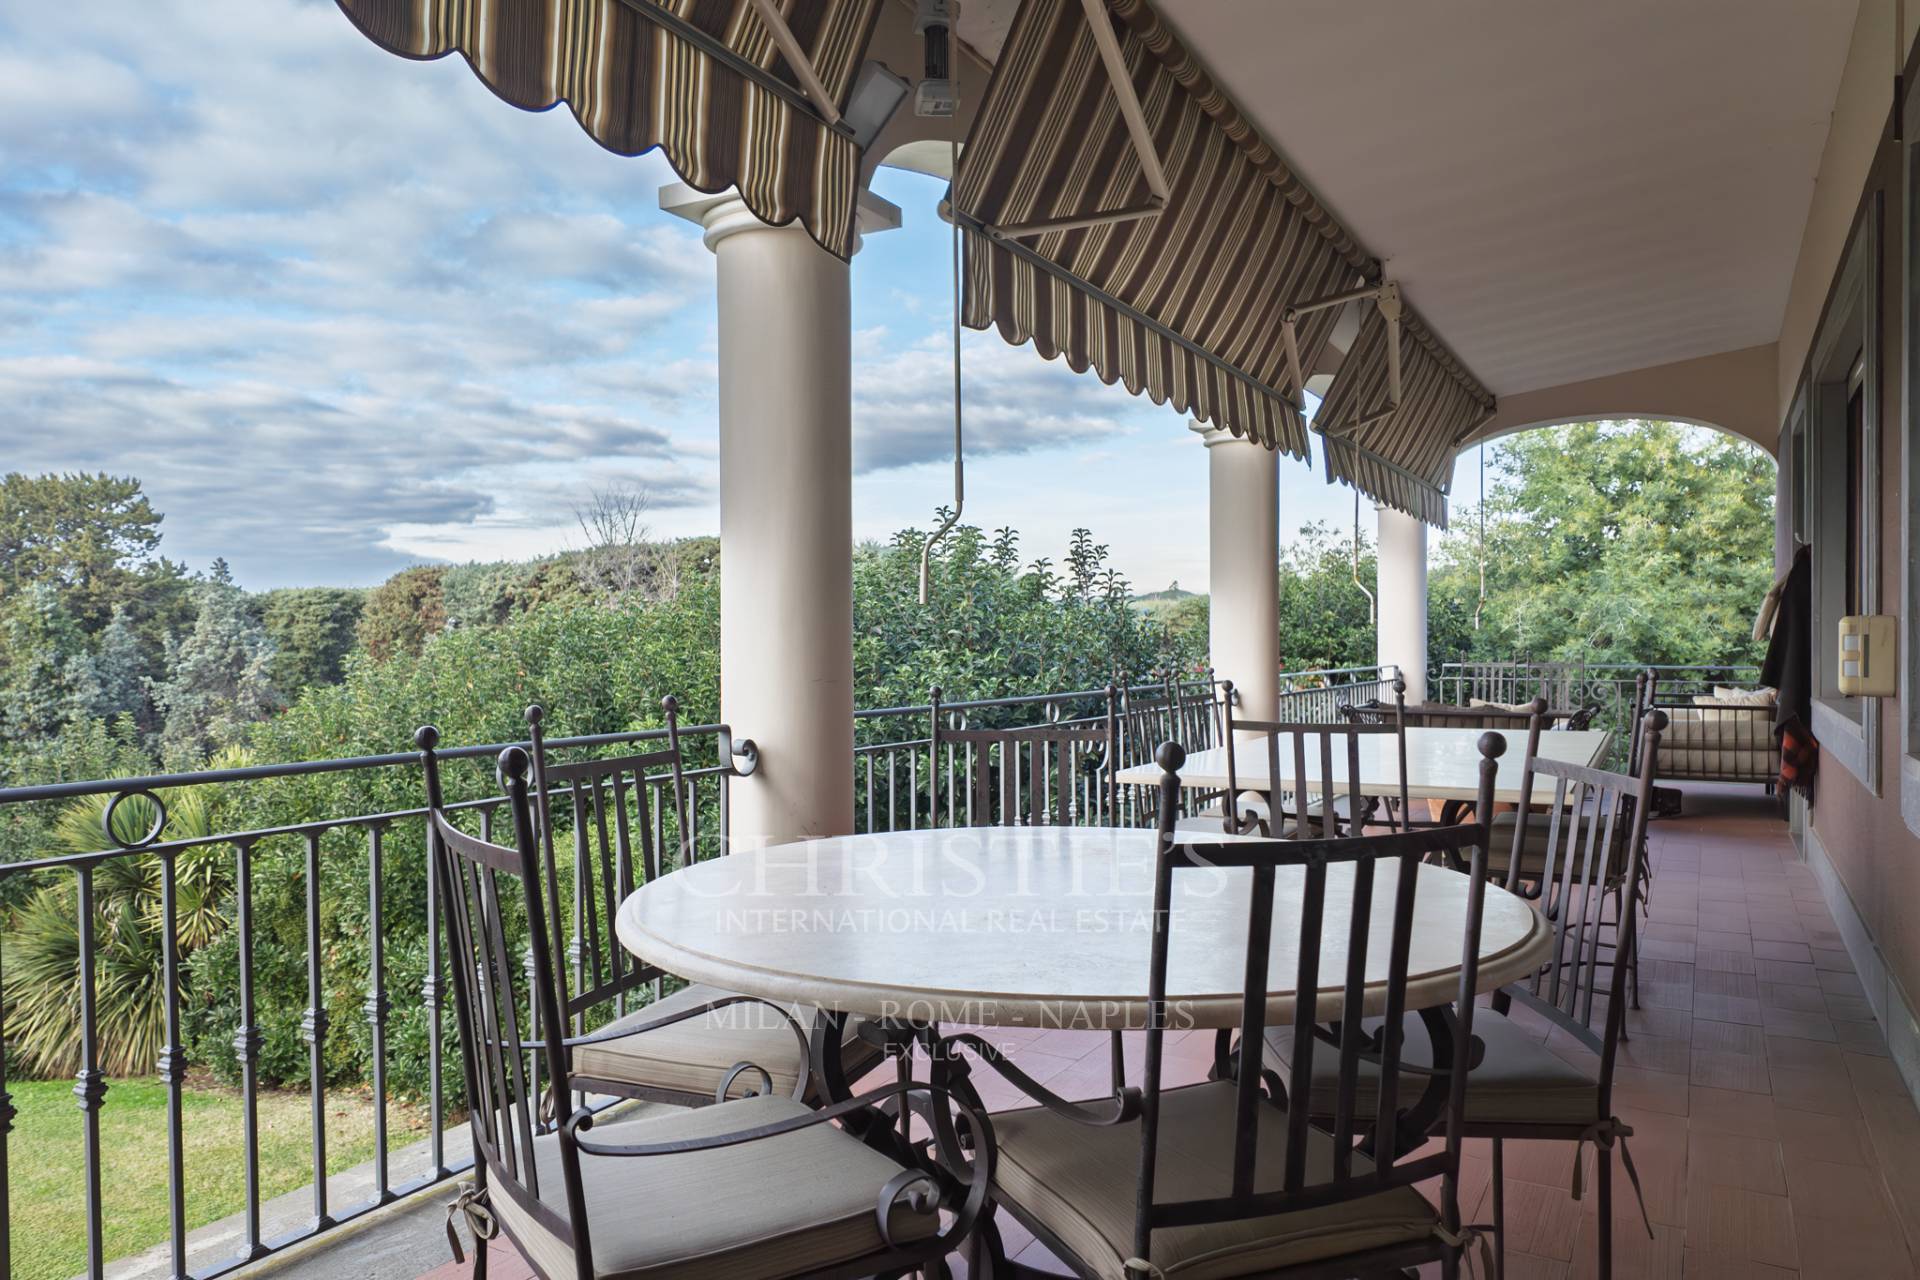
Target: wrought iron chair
(1041, 775)
(1224, 1178)
(1520, 1088)
(618, 830)
(753, 1188)
(1329, 805)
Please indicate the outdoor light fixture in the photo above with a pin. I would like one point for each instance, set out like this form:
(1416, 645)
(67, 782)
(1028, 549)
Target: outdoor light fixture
(933, 23)
(876, 96)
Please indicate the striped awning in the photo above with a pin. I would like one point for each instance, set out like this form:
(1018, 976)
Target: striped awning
(1185, 305)
(700, 79)
(1402, 459)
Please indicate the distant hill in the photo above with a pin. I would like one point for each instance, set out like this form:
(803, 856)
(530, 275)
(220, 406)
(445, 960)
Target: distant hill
(1171, 595)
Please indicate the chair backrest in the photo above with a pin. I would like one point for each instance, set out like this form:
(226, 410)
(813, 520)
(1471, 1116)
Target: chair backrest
(1308, 752)
(1380, 876)
(618, 832)
(1441, 715)
(1040, 775)
(485, 895)
(1595, 824)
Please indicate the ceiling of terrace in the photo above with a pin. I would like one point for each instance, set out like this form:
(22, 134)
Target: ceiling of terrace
(1565, 190)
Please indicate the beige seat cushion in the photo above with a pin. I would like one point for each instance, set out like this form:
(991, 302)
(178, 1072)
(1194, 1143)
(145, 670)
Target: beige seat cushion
(1519, 1080)
(1079, 1181)
(695, 1055)
(771, 1207)
(1500, 706)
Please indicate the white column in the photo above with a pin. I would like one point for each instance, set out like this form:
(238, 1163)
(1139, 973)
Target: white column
(786, 514)
(1401, 637)
(1243, 568)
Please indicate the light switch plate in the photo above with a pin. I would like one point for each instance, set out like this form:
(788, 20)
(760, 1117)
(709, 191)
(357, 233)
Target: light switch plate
(1867, 656)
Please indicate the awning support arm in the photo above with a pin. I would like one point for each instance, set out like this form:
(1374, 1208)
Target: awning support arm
(1159, 193)
(797, 58)
(1386, 296)
(661, 16)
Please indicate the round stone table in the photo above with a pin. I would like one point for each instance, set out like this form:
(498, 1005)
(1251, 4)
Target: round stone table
(1036, 926)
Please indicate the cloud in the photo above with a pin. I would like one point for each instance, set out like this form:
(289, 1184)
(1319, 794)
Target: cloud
(331, 306)
(1014, 402)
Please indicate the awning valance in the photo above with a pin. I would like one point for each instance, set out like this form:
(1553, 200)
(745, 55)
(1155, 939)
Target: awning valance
(1403, 457)
(703, 80)
(1186, 304)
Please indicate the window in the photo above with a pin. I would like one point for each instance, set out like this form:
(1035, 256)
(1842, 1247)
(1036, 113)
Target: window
(1842, 493)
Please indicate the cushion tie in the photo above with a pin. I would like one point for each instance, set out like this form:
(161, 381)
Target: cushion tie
(471, 1204)
(1142, 1267)
(1605, 1135)
(1470, 1240)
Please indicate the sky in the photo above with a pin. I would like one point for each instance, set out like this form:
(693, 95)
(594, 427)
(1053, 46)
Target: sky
(341, 312)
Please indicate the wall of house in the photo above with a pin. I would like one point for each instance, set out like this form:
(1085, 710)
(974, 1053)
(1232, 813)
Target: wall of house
(1859, 841)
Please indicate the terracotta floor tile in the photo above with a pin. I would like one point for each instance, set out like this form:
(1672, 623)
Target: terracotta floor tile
(1835, 983)
(1809, 1136)
(1805, 1026)
(1875, 1075)
(1725, 1159)
(1833, 958)
(1701, 1265)
(1729, 1111)
(1775, 930)
(1656, 1091)
(1787, 995)
(1718, 961)
(1541, 1219)
(1797, 1051)
(1659, 1022)
(1841, 1251)
(1861, 1037)
(1845, 1193)
(1718, 1070)
(1726, 1037)
(1767, 949)
(1787, 971)
(1811, 1089)
(1746, 1224)
(1634, 1254)
(1848, 1008)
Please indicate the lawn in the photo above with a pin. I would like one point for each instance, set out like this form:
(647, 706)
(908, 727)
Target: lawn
(47, 1216)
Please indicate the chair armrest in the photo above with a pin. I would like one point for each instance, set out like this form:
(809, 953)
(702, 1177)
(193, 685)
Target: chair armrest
(1125, 1105)
(919, 1169)
(606, 1034)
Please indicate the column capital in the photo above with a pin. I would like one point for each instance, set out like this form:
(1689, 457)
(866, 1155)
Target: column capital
(1211, 435)
(724, 214)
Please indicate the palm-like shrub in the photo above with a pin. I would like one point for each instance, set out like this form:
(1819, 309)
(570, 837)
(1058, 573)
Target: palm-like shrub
(42, 967)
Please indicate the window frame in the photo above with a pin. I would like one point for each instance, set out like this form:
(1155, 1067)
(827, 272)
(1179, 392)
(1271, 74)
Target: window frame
(1909, 421)
(1846, 353)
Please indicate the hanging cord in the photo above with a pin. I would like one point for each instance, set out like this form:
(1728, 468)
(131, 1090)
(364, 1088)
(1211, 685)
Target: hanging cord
(959, 464)
(1480, 605)
(1373, 605)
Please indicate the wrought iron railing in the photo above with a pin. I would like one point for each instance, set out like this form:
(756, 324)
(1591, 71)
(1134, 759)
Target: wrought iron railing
(314, 861)
(1315, 697)
(325, 850)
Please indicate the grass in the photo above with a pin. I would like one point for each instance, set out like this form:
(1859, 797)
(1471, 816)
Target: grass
(47, 1217)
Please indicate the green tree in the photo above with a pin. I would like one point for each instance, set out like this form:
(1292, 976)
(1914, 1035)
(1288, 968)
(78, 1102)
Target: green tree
(1642, 542)
(86, 536)
(44, 677)
(219, 678)
(313, 631)
(402, 612)
(991, 628)
(1325, 620)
